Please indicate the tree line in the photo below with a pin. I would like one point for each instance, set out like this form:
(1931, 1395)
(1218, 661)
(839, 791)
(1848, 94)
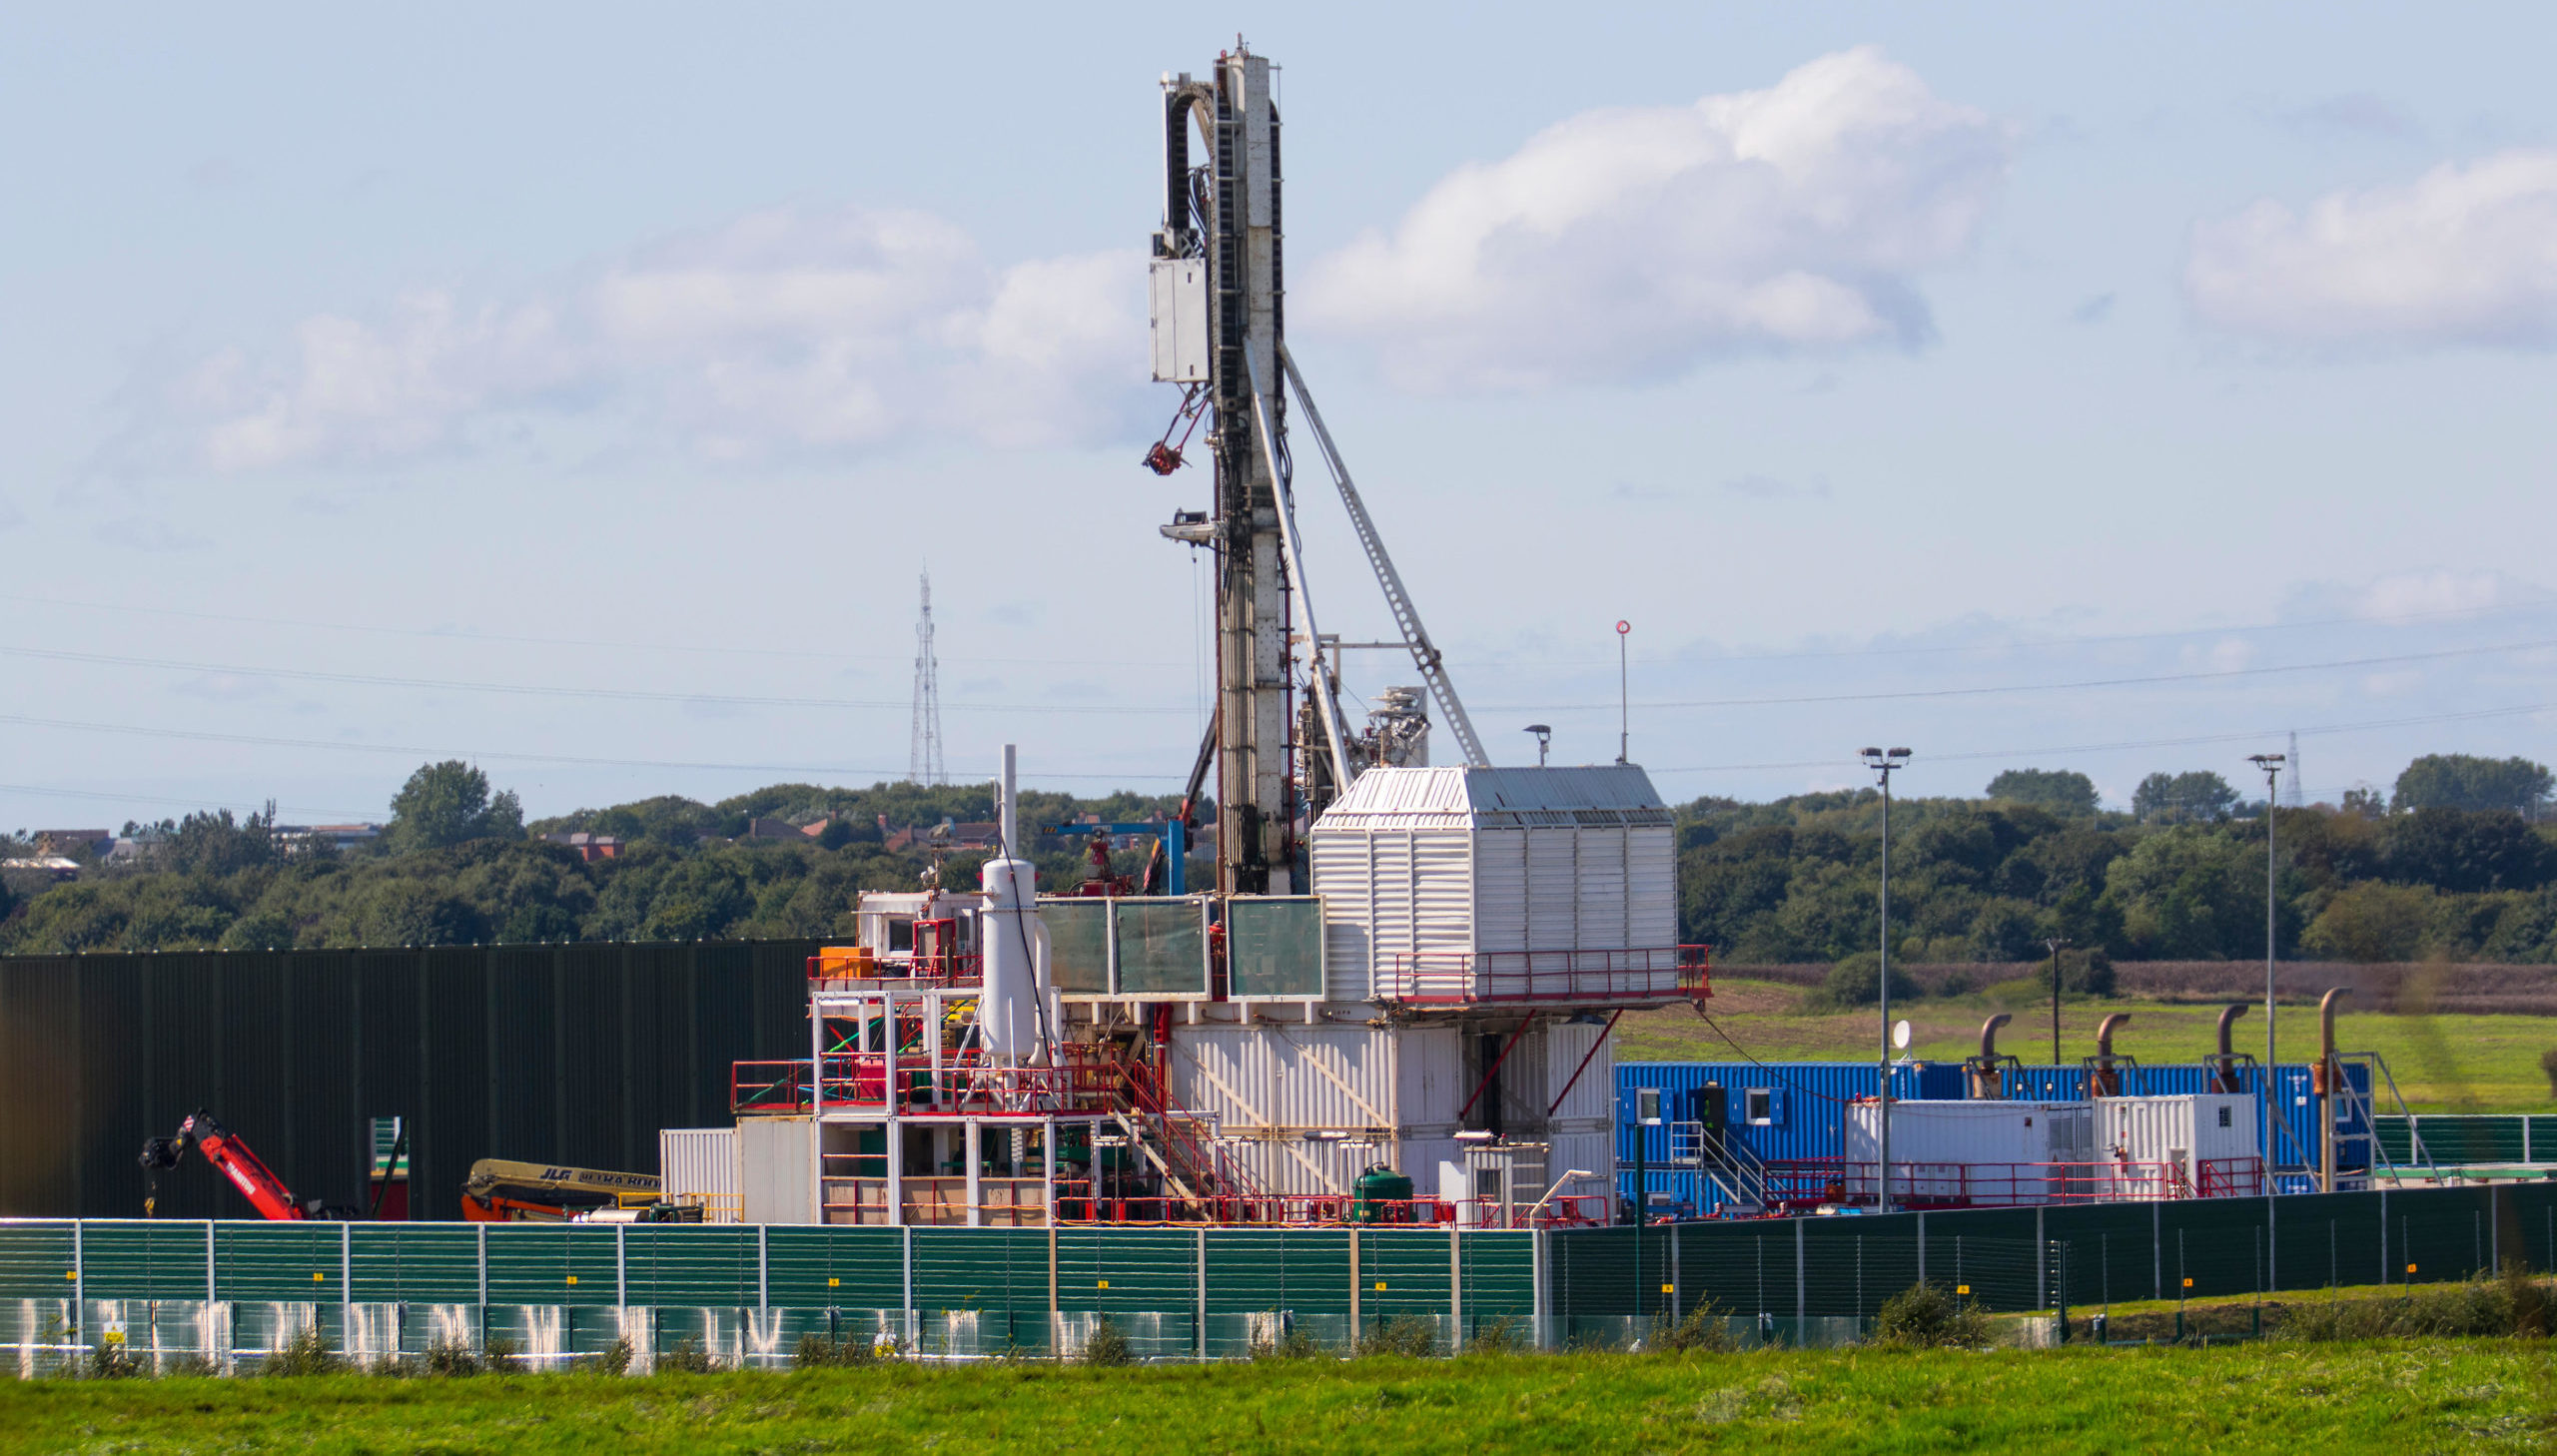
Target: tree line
(2454, 861)
(2450, 863)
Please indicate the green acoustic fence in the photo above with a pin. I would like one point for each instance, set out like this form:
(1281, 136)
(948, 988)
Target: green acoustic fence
(1819, 1280)
(227, 1291)
(2466, 1139)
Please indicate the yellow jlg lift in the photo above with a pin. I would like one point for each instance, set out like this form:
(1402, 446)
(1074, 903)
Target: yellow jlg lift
(498, 1191)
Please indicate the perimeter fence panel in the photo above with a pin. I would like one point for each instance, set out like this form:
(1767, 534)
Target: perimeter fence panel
(2111, 1251)
(1266, 1285)
(983, 1291)
(1496, 1283)
(423, 1263)
(1144, 1281)
(2326, 1240)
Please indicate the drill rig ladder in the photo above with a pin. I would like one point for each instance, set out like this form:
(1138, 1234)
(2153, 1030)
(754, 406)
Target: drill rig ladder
(1424, 654)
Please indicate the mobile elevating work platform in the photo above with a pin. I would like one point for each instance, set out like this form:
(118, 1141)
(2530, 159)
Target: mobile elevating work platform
(1393, 1005)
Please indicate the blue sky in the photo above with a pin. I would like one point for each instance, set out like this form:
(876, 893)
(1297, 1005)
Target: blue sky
(582, 391)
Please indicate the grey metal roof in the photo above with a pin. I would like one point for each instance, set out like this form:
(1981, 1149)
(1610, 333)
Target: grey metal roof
(1497, 798)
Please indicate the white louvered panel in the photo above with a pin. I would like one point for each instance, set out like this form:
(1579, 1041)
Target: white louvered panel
(1552, 895)
(1442, 893)
(1651, 885)
(1500, 890)
(1433, 1078)
(1602, 890)
(1344, 875)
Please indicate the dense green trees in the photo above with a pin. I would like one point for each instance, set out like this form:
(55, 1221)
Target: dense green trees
(1979, 880)
(2459, 781)
(458, 867)
(1796, 880)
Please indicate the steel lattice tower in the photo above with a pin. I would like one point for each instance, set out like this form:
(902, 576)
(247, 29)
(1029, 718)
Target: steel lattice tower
(924, 763)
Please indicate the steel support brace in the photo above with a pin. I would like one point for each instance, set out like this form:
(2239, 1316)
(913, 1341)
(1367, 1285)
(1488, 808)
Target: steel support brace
(1198, 1297)
(1495, 1070)
(1675, 1296)
(484, 1284)
(2156, 1251)
(79, 1286)
(621, 1270)
(1557, 1104)
(763, 1265)
(914, 1325)
(1922, 1249)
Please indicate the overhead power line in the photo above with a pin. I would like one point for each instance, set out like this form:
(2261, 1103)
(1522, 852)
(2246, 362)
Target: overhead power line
(2124, 745)
(498, 756)
(2143, 680)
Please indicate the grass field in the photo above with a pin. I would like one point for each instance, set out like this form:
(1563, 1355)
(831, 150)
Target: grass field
(2443, 1063)
(2464, 1395)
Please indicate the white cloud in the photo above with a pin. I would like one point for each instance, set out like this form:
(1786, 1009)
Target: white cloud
(1635, 242)
(783, 331)
(2434, 593)
(2462, 255)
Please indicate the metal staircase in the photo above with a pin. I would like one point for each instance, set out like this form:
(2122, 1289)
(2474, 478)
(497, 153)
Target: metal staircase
(1728, 1162)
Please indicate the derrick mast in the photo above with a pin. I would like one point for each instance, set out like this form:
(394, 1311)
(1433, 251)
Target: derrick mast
(1219, 319)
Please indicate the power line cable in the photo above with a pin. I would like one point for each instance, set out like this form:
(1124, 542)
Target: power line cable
(2146, 680)
(576, 760)
(2373, 725)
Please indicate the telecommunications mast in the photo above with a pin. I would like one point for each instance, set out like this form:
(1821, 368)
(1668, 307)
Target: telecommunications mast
(924, 764)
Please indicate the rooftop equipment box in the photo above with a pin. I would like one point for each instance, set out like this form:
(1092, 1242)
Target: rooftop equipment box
(1471, 884)
(1975, 1153)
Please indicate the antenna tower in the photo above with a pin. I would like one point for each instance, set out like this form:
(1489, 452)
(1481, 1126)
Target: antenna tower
(924, 764)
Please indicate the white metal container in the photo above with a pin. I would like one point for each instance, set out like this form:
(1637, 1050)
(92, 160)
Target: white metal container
(699, 1166)
(2207, 1138)
(1450, 881)
(777, 1169)
(1991, 1153)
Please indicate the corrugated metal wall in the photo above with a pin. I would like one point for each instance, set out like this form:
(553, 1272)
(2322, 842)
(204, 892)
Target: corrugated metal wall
(569, 1053)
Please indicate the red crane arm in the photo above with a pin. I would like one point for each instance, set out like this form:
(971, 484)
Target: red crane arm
(247, 1171)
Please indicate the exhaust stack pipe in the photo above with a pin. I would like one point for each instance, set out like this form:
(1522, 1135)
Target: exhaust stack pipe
(1986, 1084)
(2327, 1078)
(2229, 1016)
(2108, 1083)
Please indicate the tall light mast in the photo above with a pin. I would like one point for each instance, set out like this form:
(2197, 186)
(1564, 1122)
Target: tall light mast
(924, 764)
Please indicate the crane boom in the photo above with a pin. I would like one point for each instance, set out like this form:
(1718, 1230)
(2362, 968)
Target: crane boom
(1425, 656)
(225, 1150)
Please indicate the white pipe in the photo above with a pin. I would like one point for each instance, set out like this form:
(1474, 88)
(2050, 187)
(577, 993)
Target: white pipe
(1009, 815)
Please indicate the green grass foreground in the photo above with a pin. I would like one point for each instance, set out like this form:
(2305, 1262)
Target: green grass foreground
(2398, 1396)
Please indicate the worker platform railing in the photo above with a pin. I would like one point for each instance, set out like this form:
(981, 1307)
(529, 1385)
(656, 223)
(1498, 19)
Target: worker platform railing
(897, 970)
(1808, 1183)
(907, 1084)
(1587, 978)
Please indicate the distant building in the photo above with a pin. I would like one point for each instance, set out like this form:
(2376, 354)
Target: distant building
(70, 842)
(41, 869)
(297, 837)
(588, 847)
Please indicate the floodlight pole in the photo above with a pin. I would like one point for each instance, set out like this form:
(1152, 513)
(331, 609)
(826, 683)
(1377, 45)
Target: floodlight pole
(1882, 764)
(2055, 943)
(2271, 764)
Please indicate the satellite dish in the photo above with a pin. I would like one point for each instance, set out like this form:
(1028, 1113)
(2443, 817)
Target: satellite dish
(1900, 1034)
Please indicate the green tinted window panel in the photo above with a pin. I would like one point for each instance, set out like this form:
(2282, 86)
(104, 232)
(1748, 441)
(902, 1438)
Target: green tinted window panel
(559, 1264)
(426, 1263)
(292, 1261)
(696, 1264)
(1163, 947)
(1077, 945)
(845, 1268)
(1273, 948)
(34, 1257)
